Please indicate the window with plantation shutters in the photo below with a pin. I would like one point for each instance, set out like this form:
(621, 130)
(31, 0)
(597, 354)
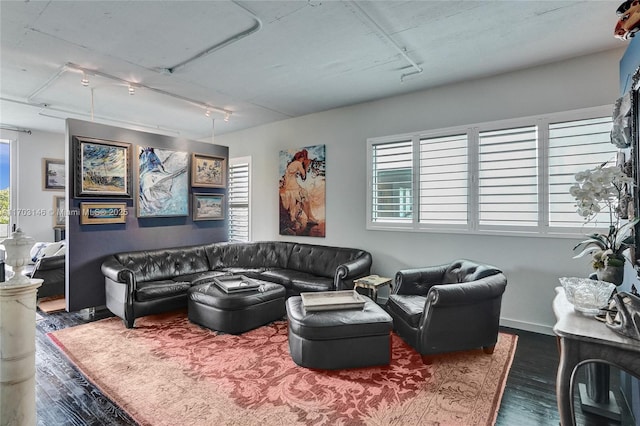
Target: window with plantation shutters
(392, 182)
(575, 146)
(505, 177)
(239, 199)
(444, 180)
(508, 177)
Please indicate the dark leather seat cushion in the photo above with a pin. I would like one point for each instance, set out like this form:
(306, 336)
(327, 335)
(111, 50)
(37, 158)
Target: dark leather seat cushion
(199, 277)
(407, 307)
(280, 276)
(152, 290)
(210, 295)
(372, 320)
(298, 281)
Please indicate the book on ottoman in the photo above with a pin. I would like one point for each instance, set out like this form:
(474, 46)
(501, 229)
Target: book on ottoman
(235, 283)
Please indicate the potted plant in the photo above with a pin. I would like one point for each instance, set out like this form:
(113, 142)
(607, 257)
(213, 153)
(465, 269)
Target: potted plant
(595, 190)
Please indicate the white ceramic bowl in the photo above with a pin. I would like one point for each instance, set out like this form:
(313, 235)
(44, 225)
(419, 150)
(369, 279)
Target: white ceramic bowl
(587, 296)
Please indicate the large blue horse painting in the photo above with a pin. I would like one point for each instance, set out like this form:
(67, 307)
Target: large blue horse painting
(163, 185)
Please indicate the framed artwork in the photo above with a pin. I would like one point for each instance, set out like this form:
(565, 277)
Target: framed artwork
(302, 191)
(59, 212)
(101, 213)
(53, 174)
(102, 168)
(208, 206)
(163, 182)
(208, 171)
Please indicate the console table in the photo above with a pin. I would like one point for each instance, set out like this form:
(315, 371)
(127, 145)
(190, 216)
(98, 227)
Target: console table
(585, 340)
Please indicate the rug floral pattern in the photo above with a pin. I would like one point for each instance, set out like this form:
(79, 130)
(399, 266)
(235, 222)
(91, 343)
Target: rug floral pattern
(169, 371)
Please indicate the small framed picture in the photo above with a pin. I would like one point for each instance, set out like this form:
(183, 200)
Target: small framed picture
(208, 206)
(102, 213)
(208, 171)
(53, 174)
(102, 168)
(59, 212)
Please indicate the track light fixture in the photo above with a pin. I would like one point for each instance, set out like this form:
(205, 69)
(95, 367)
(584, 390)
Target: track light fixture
(132, 86)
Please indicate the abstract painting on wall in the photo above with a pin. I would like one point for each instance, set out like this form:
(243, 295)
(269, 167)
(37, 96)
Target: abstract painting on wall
(302, 191)
(163, 186)
(102, 168)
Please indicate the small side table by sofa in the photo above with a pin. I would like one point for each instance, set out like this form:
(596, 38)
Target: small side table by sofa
(372, 283)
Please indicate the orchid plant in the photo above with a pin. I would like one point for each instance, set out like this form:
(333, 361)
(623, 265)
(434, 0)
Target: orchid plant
(597, 189)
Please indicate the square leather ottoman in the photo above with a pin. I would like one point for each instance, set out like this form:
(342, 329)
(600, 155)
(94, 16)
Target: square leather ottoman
(235, 313)
(348, 338)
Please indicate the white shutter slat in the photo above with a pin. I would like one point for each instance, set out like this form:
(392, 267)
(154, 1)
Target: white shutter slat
(392, 182)
(443, 180)
(575, 146)
(238, 193)
(508, 177)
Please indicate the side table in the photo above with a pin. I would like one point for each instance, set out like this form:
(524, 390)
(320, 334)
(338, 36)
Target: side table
(372, 283)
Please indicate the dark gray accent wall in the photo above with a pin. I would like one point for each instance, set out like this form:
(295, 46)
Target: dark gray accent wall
(629, 64)
(88, 245)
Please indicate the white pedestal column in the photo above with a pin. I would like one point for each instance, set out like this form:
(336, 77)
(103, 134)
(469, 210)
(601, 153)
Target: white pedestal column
(18, 353)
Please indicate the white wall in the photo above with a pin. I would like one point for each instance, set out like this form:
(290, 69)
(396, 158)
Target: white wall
(35, 204)
(532, 264)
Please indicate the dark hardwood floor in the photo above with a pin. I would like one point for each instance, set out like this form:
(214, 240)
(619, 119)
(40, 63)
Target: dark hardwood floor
(65, 397)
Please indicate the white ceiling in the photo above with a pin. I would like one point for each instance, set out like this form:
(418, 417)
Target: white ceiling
(281, 59)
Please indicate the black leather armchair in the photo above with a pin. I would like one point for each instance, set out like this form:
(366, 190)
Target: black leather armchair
(51, 271)
(448, 307)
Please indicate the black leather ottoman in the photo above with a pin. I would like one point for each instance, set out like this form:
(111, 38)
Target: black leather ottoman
(235, 313)
(339, 339)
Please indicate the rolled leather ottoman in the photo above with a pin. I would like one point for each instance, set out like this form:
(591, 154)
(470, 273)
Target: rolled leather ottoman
(235, 313)
(339, 339)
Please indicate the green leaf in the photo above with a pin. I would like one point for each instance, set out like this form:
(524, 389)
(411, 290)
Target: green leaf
(588, 250)
(597, 242)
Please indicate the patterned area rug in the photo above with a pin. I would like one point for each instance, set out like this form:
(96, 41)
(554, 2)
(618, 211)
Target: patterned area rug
(168, 371)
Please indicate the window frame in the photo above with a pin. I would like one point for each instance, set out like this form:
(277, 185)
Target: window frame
(542, 229)
(233, 162)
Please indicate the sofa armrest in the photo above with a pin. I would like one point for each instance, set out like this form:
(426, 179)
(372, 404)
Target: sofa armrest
(120, 287)
(418, 281)
(468, 293)
(356, 268)
(115, 271)
(49, 263)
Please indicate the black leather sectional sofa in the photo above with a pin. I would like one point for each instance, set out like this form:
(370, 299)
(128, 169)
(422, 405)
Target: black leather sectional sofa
(142, 283)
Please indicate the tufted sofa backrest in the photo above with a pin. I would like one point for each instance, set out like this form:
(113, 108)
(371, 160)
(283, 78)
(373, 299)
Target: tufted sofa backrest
(464, 271)
(320, 260)
(152, 265)
(267, 254)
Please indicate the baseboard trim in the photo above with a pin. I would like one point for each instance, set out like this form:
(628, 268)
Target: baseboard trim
(527, 326)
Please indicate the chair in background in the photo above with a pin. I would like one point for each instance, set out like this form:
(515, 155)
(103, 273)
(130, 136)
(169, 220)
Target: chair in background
(51, 271)
(49, 266)
(449, 307)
